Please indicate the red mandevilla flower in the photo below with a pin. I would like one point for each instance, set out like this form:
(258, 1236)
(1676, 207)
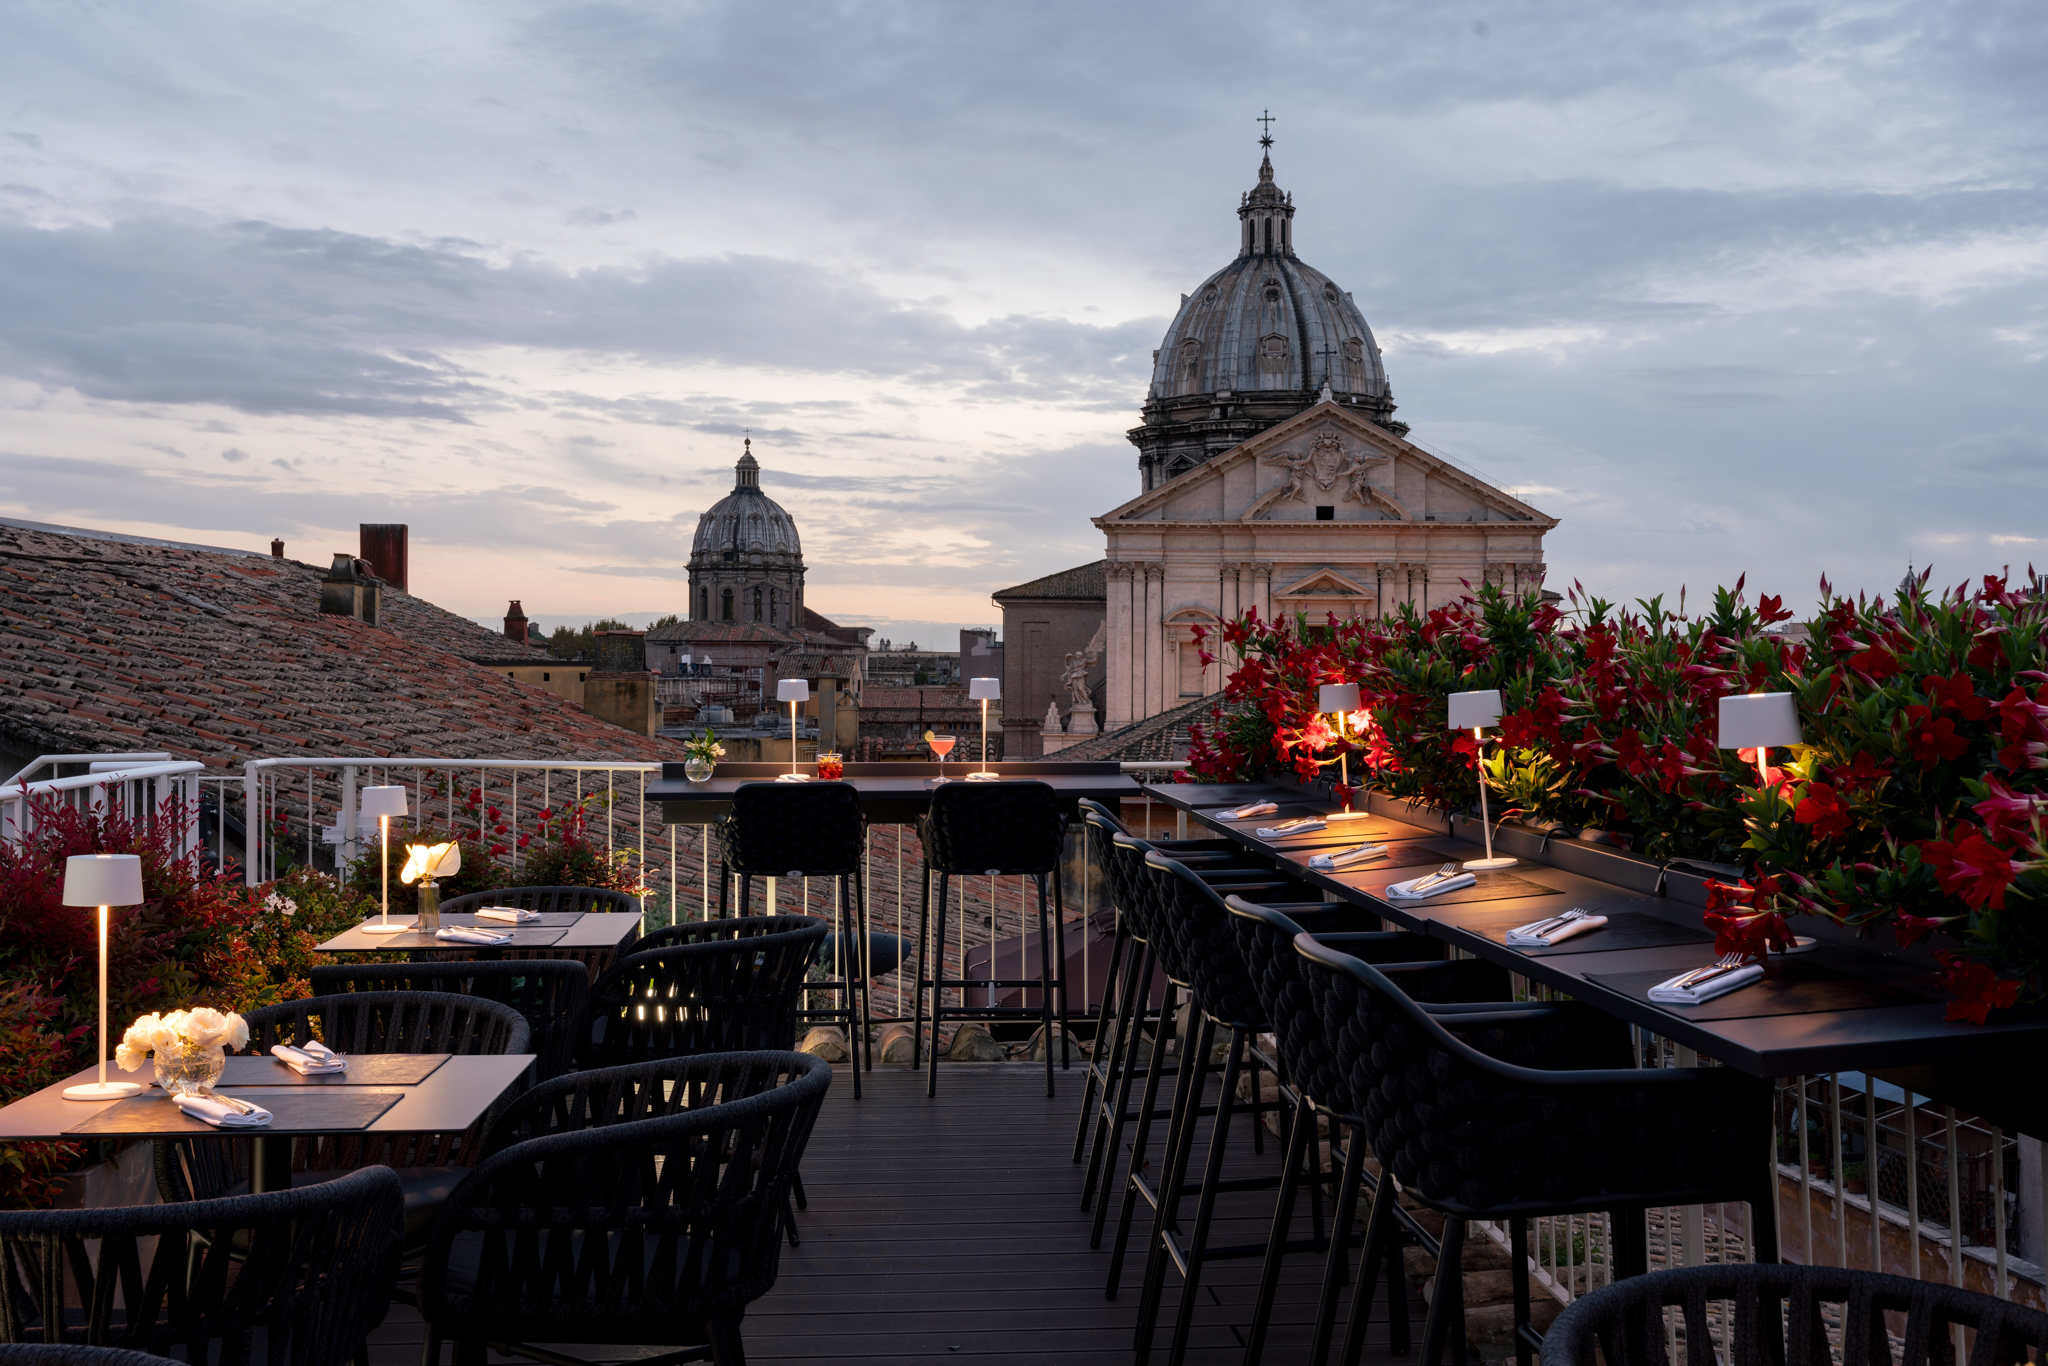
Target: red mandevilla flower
(1971, 867)
(1977, 989)
(1933, 739)
(1957, 694)
(1909, 929)
(1822, 809)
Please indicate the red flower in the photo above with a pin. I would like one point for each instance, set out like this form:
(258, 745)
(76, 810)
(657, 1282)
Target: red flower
(1957, 694)
(1977, 989)
(1933, 739)
(1970, 867)
(1860, 773)
(1908, 929)
(1749, 935)
(2008, 815)
(1876, 662)
(1823, 809)
(1630, 753)
(525, 840)
(1770, 608)
(497, 848)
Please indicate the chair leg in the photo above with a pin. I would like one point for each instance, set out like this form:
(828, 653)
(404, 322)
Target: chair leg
(1298, 1134)
(1180, 1147)
(931, 1081)
(851, 964)
(724, 888)
(430, 1349)
(1130, 1041)
(924, 925)
(1139, 1142)
(1059, 933)
(1115, 1056)
(1337, 1264)
(1382, 1242)
(1205, 1204)
(1763, 1211)
(1446, 1310)
(725, 1341)
(867, 970)
(1518, 1280)
(1046, 1014)
(1099, 1062)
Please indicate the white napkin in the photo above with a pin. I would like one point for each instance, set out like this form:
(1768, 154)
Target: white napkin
(1344, 858)
(1668, 995)
(315, 1059)
(1302, 826)
(220, 1114)
(1405, 891)
(511, 913)
(1245, 813)
(1522, 939)
(462, 935)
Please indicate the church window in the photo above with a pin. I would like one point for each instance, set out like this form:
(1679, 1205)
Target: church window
(1190, 669)
(1272, 295)
(1326, 514)
(757, 604)
(1209, 297)
(703, 604)
(1269, 236)
(774, 607)
(728, 604)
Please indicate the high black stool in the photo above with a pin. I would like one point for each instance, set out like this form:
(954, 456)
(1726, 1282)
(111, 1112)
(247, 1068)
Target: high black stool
(1525, 1119)
(992, 829)
(799, 830)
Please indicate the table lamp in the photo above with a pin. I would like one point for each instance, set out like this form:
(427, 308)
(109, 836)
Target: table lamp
(1340, 700)
(794, 691)
(1477, 711)
(384, 803)
(1757, 721)
(105, 881)
(984, 691)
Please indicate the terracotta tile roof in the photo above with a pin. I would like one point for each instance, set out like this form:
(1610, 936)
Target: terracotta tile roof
(1082, 581)
(1154, 739)
(221, 657)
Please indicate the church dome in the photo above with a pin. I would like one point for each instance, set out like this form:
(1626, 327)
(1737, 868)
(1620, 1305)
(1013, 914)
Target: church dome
(746, 523)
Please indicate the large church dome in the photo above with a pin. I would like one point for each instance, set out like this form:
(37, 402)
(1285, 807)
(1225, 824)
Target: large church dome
(1256, 343)
(746, 522)
(746, 563)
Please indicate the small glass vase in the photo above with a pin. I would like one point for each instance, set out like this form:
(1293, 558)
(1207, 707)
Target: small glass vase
(430, 906)
(189, 1068)
(697, 770)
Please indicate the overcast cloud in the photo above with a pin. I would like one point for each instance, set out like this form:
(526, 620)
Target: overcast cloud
(1728, 287)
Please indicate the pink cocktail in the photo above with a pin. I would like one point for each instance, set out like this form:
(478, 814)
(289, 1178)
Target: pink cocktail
(942, 745)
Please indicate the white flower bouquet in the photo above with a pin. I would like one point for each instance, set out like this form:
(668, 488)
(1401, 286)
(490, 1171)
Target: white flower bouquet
(188, 1046)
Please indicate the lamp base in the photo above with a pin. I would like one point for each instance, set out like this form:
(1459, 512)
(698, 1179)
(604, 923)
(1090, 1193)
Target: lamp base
(102, 1090)
(984, 777)
(385, 926)
(1347, 815)
(1487, 865)
(792, 777)
(1801, 943)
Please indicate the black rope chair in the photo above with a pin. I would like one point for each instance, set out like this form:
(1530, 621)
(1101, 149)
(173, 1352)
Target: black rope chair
(548, 993)
(1100, 826)
(705, 986)
(1778, 1313)
(994, 829)
(307, 1274)
(362, 1022)
(636, 1206)
(1528, 1115)
(71, 1354)
(805, 830)
(552, 900)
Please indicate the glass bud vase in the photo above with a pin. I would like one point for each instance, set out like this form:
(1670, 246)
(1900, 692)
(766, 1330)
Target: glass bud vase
(697, 770)
(188, 1069)
(430, 906)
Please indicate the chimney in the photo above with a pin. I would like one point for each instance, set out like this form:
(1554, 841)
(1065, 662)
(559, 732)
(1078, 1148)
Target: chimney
(385, 546)
(620, 652)
(534, 635)
(515, 622)
(276, 548)
(347, 590)
(618, 687)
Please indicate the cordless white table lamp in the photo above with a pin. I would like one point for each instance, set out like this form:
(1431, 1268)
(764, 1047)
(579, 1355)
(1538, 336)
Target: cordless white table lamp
(1476, 711)
(105, 881)
(984, 691)
(384, 803)
(796, 692)
(1339, 700)
(1757, 721)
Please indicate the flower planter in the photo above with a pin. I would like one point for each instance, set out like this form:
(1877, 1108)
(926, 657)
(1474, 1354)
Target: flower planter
(1605, 864)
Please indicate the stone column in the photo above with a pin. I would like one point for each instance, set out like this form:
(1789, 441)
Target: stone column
(1154, 638)
(1119, 666)
(1262, 587)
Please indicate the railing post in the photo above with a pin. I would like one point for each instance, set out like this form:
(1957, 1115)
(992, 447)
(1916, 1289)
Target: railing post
(345, 856)
(252, 826)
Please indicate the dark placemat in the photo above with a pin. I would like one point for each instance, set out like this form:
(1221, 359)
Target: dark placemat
(535, 938)
(1794, 987)
(549, 920)
(1493, 886)
(310, 1111)
(1623, 930)
(364, 1069)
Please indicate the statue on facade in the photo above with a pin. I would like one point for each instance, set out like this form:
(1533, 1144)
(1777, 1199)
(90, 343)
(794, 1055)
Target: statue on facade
(1075, 676)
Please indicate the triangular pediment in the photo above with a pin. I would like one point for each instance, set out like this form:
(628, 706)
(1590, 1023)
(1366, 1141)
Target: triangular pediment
(1327, 465)
(1322, 583)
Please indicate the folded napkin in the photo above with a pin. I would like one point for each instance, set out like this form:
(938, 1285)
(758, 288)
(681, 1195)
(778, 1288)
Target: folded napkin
(1556, 934)
(219, 1113)
(1344, 858)
(1301, 825)
(1405, 891)
(1664, 993)
(462, 935)
(1245, 813)
(511, 913)
(314, 1059)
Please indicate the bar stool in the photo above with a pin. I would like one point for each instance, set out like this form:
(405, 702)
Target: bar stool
(992, 829)
(799, 830)
(1528, 1117)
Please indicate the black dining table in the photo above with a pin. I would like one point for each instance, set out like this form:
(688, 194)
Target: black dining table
(381, 1093)
(1843, 1005)
(560, 931)
(891, 792)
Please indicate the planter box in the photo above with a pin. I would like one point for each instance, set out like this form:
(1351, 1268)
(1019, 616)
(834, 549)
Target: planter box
(1517, 841)
(1605, 863)
(1395, 809)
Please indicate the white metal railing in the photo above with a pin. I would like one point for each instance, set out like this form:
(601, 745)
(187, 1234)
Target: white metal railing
(146, 785)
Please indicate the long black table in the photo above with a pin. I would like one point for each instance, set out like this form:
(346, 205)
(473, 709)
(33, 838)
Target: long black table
(891, 793)
(1840, 1007)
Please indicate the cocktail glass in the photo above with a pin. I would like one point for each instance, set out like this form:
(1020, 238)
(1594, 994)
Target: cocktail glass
(942, 745)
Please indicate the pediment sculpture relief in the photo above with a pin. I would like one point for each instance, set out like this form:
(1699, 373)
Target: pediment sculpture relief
(1326, 465)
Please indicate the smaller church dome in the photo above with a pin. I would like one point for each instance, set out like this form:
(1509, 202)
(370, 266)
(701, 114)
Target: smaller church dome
(746, 522)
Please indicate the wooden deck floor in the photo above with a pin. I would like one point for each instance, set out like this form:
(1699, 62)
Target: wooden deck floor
(951, 1230)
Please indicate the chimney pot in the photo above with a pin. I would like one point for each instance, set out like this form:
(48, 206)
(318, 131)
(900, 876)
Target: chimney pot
(386, 546)
(515, 622)
(276, 548)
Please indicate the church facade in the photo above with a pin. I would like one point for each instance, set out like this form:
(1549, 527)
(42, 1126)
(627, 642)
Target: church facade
(1274, 476)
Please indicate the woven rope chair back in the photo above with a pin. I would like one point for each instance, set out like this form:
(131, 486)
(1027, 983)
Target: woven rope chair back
(305, 1273)
(712, 931)
(734, 986)
(578, 900)
(1449, 1120)
(1206, 941)
(793, 830)
(618, 1204)
(1776, 1314)
(1265, 941)
(1131, 884)
(548, 993)
(70, 1354)
(1004, 827)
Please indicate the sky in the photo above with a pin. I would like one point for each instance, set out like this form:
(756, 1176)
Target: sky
(1730, 288)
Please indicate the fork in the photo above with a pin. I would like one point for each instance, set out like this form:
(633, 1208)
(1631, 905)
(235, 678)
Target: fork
(1728, 963)
(1448, 871)
(242, 1106)
(1556, 922)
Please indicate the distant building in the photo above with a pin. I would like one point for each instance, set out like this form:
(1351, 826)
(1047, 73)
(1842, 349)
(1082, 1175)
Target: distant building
(1052, 640)
(747, 564)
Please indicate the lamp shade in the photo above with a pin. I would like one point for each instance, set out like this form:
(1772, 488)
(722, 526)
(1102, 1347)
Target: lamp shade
(1470, 710)
(792, 690)
(103, 880)
(984, 689)
(1334, 697)
(1759, 720)
(383, 801)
